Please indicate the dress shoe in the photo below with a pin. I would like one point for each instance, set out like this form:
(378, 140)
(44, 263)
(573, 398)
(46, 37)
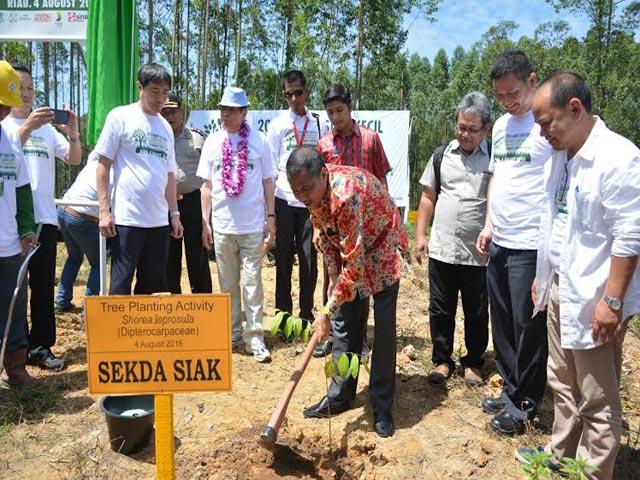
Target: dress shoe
(323, 348)
(493, 405)
(507, 424)
(383, 425)
(325, 407)
(440, 374)
(472, 376)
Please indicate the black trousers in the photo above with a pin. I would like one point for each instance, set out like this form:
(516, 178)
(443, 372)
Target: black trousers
(294, 235)
(197, 257)
(140, 250)
(42, 276)
(519, 341)
(445, 281)
(348, 326)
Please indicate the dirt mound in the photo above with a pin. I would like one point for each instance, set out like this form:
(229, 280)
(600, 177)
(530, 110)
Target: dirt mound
(243, 456)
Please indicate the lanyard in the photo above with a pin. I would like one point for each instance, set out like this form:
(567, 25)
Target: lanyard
(299, 140)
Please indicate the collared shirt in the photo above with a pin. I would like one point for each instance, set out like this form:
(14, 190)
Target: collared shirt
(360, 234)
(282, 141)
(461, 205)
(603, 205)
(188, 146)
(363, 148)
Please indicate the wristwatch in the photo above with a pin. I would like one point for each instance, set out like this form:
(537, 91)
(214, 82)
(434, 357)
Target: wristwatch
(613, 302)
(175, 213)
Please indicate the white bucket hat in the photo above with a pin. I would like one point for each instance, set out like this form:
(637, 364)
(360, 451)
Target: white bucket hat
(233, 97)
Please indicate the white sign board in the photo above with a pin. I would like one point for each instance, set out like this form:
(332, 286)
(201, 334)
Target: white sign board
(47, 20)
(392, 126)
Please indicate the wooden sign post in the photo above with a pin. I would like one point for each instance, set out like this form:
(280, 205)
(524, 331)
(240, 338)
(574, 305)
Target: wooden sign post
(158, 345)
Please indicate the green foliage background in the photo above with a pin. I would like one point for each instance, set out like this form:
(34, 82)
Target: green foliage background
(208, 44)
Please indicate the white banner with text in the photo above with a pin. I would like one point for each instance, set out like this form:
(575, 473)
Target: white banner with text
(391, 125)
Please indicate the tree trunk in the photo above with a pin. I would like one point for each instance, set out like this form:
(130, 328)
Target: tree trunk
(288, 48)
(238, 42)
(150, 32)
(204, 46)
(45, 71)
(359, 52)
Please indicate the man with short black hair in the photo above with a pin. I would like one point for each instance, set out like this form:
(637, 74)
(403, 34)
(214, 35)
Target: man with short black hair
(295, 128)
(138, 142)
(510, 238)
(360, 236)
(42, 144)
(188, 146)
(455, 185)
(587, 271)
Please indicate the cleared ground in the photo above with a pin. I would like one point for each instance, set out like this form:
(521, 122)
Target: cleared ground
(58, 430)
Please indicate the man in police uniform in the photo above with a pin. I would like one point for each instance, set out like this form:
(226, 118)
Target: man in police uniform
(188, 145)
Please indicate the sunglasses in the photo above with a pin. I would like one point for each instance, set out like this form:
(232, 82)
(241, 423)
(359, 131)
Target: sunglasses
(297, 93)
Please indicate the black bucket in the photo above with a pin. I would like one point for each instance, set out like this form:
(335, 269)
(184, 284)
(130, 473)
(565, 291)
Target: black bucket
(128, 433)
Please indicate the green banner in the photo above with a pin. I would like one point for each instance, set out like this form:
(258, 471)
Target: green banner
(112, 60)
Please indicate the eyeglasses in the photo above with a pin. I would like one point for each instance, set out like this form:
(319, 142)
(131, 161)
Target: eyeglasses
(470, 131)
(297, 93)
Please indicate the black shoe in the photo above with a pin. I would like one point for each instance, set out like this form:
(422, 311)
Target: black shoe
(326, 407)
(59, 308)
(323, 348)
(493, 405)
(44, 358)
(507, 424)
(383, 425)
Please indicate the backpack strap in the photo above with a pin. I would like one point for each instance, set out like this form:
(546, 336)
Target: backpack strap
(438, 153)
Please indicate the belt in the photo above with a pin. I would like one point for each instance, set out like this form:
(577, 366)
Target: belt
(77, 214)
(181, 196)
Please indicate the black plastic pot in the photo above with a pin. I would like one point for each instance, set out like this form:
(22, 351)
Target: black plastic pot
(128, 433)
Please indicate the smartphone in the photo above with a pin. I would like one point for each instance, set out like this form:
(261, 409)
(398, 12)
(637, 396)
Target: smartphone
(60, 117)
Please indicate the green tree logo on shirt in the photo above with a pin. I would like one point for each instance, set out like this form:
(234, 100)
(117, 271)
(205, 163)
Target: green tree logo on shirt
(140, 137)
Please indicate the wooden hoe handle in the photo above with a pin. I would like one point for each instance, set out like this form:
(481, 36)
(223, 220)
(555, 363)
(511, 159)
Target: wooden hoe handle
(270, 432)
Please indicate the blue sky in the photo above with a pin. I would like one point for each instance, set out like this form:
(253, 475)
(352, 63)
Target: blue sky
(462, 22)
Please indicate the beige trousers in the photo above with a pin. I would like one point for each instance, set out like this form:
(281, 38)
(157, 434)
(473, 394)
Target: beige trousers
(586, 401)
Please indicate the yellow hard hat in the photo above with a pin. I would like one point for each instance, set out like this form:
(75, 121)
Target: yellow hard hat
(9, 86)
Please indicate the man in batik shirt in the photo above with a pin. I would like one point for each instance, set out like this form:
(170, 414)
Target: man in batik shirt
(360, 237)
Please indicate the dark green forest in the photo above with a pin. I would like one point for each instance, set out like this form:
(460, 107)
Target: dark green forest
(208, 44)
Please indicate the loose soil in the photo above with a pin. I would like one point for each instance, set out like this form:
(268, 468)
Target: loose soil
(57, 430)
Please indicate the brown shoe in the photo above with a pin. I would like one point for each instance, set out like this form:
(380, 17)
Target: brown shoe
(15, 372)
(440, 374)
(472, 376)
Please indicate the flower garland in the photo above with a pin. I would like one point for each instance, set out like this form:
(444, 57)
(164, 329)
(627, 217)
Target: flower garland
(234, 189)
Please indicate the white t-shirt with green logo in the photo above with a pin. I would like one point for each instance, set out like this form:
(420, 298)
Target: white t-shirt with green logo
(141, 147)
(40, 152)
(517, 162)
(13, 174)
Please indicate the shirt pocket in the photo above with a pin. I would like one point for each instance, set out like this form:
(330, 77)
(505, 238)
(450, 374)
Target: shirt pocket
(589, 214)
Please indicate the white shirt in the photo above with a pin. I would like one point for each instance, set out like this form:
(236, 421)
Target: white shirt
(84, 187)
(517, 162)
(603, 219)
(40, 152)
(244, 213)
(141, 147)
(282, 142)
(13, 174)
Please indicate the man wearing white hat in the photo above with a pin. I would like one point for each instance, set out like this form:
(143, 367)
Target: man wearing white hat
(238, 195)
